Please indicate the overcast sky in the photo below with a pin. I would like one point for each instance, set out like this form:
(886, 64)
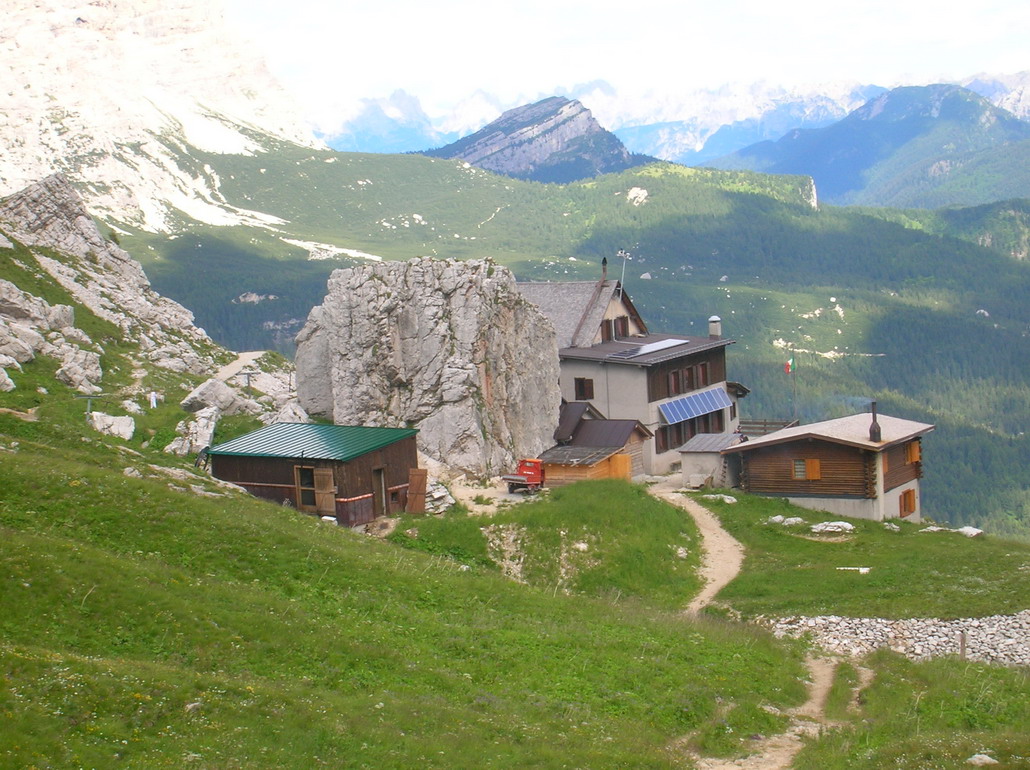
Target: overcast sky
(441, 52)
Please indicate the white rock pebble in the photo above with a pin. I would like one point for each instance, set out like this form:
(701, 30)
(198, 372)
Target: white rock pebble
(1001, 639)
(832, 526)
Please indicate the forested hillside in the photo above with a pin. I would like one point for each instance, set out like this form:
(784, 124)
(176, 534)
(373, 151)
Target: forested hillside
(923, 311)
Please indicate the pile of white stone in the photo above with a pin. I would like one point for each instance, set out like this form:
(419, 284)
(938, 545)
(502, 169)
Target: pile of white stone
(996, 639)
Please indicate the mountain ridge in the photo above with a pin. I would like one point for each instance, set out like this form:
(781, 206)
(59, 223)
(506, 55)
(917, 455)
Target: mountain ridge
(898, 149)
(553, 140)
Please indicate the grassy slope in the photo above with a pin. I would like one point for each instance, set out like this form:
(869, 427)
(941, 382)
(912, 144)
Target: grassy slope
(913, 574)
(156, 626)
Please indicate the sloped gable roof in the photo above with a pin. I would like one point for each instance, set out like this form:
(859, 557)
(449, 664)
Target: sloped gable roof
(311, 441)
(575, 308)
(852, 430)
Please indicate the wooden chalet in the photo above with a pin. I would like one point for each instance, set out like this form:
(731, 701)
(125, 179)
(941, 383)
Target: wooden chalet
(674, 385)
(865, 466)
(591, 447)
(351, 473)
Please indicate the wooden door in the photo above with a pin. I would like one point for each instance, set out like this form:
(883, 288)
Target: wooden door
(379, 492)
(325, 492)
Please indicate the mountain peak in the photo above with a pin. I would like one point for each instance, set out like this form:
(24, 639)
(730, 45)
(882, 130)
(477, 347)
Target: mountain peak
(552, 140)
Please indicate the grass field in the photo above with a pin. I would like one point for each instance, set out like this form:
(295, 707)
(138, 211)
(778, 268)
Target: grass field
(789, 571)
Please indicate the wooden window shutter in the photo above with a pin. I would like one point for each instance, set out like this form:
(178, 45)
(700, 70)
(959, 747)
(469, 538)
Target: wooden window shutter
(813, 470)
(913, 452)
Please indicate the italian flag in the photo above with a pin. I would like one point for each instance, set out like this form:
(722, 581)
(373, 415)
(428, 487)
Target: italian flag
(789, 366)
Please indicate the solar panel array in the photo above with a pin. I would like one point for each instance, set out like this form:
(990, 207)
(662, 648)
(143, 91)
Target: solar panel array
(694, 405)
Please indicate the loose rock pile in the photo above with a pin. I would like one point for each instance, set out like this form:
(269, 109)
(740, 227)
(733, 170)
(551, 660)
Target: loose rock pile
(997, 639)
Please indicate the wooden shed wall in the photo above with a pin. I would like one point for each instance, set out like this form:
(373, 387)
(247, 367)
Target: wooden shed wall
(272, 478)
(618, 466)
(845, 471)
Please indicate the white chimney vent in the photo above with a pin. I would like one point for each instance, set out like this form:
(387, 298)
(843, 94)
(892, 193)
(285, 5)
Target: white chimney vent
(715, 327)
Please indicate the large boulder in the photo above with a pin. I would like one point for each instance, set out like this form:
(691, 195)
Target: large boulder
(449, 347)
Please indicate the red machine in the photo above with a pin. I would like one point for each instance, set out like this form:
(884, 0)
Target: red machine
(528, 478)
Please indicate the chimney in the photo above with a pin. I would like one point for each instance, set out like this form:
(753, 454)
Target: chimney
(715, 327)
(874, 426)
(604, 269)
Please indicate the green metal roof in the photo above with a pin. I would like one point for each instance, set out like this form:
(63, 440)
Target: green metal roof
(311, 442)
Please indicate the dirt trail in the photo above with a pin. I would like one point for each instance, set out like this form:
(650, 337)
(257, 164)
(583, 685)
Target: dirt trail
(721, 562)
(242, 361)
(723, 555)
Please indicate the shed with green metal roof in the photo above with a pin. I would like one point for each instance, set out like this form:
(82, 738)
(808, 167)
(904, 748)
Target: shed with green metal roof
(351, 473)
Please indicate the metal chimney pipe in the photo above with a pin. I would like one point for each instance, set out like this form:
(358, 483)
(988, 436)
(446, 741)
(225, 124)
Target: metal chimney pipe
(874, 427)
(715, 327)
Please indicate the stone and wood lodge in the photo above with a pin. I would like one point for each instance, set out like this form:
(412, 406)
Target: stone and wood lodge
(674, 385)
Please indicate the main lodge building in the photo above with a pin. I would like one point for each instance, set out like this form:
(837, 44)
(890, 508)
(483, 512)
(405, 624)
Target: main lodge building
(674, 385)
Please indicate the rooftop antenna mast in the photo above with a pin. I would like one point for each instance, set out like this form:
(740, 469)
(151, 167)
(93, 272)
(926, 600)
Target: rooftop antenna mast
(624, 256)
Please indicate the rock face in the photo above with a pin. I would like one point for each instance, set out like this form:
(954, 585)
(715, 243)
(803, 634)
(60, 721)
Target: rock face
(554, 140)
(448, 347)
(113, 93)
(98, 274)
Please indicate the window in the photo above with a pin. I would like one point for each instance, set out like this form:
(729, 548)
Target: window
(907, 502)
(584, 388)
(806, 470)
(913, 454)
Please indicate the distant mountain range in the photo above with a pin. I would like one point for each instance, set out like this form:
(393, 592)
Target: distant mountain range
(689, 127)
(553, 140)
(921, 147)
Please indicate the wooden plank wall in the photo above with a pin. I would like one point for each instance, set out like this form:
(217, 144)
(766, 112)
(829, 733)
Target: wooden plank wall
(899, 471)
(845, 471)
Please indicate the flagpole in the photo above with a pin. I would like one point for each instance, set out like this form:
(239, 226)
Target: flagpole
(794, 380)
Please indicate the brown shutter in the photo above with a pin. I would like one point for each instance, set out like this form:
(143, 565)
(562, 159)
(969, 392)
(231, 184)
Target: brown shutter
(813, 470)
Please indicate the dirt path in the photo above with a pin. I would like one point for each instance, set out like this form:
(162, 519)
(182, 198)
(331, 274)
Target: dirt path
(29, 416)
(723, 555)
(242, 361)
(722, 558)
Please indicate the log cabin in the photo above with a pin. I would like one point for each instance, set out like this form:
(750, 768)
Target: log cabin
(352, 474)
(865, 466)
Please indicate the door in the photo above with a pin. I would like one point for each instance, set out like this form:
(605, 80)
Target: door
(325, 492)
(379, 492)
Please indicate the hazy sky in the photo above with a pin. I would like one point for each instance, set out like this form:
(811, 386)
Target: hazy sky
(332, 55)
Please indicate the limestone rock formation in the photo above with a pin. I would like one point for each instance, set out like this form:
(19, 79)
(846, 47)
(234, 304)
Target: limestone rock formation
(49, 236)
(448, 347)
(554, 140)
(114, 93)
(97, 273)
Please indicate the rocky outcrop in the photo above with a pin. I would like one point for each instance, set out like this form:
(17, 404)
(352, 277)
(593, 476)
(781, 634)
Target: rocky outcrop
(55, 241)
(448, 347)
(96, 273)
(117, 94)
(554, 140)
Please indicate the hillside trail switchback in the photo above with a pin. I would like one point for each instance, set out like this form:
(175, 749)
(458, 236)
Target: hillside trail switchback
(722, 557)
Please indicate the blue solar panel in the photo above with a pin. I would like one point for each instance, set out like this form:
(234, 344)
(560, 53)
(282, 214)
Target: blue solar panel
(694, 405)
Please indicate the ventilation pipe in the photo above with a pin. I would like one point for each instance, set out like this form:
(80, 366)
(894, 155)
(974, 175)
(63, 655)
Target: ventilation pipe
(604, 269)
(874, 426)
(715, 327)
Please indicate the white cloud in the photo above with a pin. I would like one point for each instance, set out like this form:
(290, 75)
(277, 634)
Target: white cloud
(332, 56)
